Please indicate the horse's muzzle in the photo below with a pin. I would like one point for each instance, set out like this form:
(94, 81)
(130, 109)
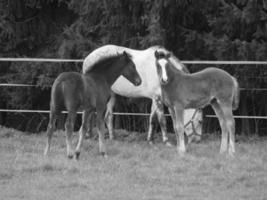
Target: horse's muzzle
(163, 82)
(137, 81)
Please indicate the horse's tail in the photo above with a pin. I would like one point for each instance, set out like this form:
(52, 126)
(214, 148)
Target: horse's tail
(236, 94)
(56, 97)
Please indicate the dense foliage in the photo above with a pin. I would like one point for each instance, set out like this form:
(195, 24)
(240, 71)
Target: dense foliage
(203, 29)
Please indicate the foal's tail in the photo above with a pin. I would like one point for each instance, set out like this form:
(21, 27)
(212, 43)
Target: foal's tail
(56, 97)
(236, 94)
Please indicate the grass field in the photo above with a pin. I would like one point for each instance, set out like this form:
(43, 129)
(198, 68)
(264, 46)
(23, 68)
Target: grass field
(133, 170)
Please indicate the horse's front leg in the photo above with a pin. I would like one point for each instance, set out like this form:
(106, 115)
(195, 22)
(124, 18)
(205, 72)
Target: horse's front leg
(162, 121)
(179, 128)
(151, 122)
(82, 131)
(101, 131)
(69, 126)
(109, 116)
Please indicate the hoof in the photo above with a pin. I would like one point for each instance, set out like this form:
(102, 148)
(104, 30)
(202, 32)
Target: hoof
(70, 156)
(77, 155)
(222, 152)
(181, 153)
(231, 154)
(150, 142)
(103, 154)
(87, 137)
(168, 144)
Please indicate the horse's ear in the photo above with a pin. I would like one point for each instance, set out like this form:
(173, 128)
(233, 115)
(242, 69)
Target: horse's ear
(157, 56)
(127, 55)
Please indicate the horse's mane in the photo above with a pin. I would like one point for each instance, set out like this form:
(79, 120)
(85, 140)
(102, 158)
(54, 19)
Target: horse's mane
(173, 59)
(100, 55)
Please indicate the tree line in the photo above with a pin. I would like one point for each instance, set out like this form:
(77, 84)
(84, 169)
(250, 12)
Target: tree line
(192, 30)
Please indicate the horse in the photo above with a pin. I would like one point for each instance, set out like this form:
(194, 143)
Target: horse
(210, 86)
(88, 92)
(150, 88)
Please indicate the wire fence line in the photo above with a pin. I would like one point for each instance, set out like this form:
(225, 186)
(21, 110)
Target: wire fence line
(127, 114)
(29, 85)
(195, 62)
(206, 62)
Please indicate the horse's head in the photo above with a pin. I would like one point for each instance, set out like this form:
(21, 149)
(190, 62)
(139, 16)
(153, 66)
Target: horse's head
(129, 71)
(162, 61)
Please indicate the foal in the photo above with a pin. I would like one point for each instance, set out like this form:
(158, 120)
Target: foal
(210, 86)
(87, 92)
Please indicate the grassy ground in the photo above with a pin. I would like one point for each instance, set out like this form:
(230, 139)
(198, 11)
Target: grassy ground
(133, 170)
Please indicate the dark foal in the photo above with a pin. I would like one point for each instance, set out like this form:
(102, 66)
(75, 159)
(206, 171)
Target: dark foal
(210, 86)
(87, 92)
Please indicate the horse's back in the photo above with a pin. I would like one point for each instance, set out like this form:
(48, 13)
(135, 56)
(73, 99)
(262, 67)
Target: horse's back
(217, 72)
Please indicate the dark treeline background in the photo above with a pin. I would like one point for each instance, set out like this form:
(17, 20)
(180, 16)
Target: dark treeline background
(193, 30)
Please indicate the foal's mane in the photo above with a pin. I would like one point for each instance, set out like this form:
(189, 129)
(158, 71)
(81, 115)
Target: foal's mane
(173, 59)
(103, 64)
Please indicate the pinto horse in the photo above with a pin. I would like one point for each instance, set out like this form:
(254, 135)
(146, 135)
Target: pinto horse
(150, 88)
(88, 92)
(210, 86)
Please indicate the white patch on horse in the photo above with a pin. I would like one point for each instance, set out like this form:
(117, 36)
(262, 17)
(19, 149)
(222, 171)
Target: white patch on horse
(163, 63)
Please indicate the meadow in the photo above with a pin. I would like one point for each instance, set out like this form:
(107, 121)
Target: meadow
(133, 169)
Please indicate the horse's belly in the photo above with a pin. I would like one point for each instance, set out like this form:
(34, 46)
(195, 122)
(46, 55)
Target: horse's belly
(197, 103)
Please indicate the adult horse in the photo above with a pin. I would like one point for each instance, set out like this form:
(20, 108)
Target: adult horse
(150, 88)
(210, 86)
(88, 92)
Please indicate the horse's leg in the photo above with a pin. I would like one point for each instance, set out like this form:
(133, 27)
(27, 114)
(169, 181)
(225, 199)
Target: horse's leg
(109, 116)
(69, 126)
(179, 128)
(151, 122)
(220, 114)
(50, 129)
(162, 121)
(193, 130)
(230, 125)
(101, 131)
(82, 132)
(89, 125)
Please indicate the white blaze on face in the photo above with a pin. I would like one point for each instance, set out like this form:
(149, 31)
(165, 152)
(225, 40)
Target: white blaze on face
(163, 64)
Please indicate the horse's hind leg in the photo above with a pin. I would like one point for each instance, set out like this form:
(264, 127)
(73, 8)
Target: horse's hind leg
(69, 126)
(50, 129)
(221, 117)
(89, 125)
(82, 132)
(230, 125)
(101, 131)
(109, 116)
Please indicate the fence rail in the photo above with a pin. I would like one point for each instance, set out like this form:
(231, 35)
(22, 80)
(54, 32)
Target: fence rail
(55, 60)
(206, 62)
(128, 114)
(29, 85)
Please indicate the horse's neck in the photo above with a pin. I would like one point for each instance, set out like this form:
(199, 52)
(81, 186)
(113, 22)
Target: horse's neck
(113, 72)
(175, 74)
